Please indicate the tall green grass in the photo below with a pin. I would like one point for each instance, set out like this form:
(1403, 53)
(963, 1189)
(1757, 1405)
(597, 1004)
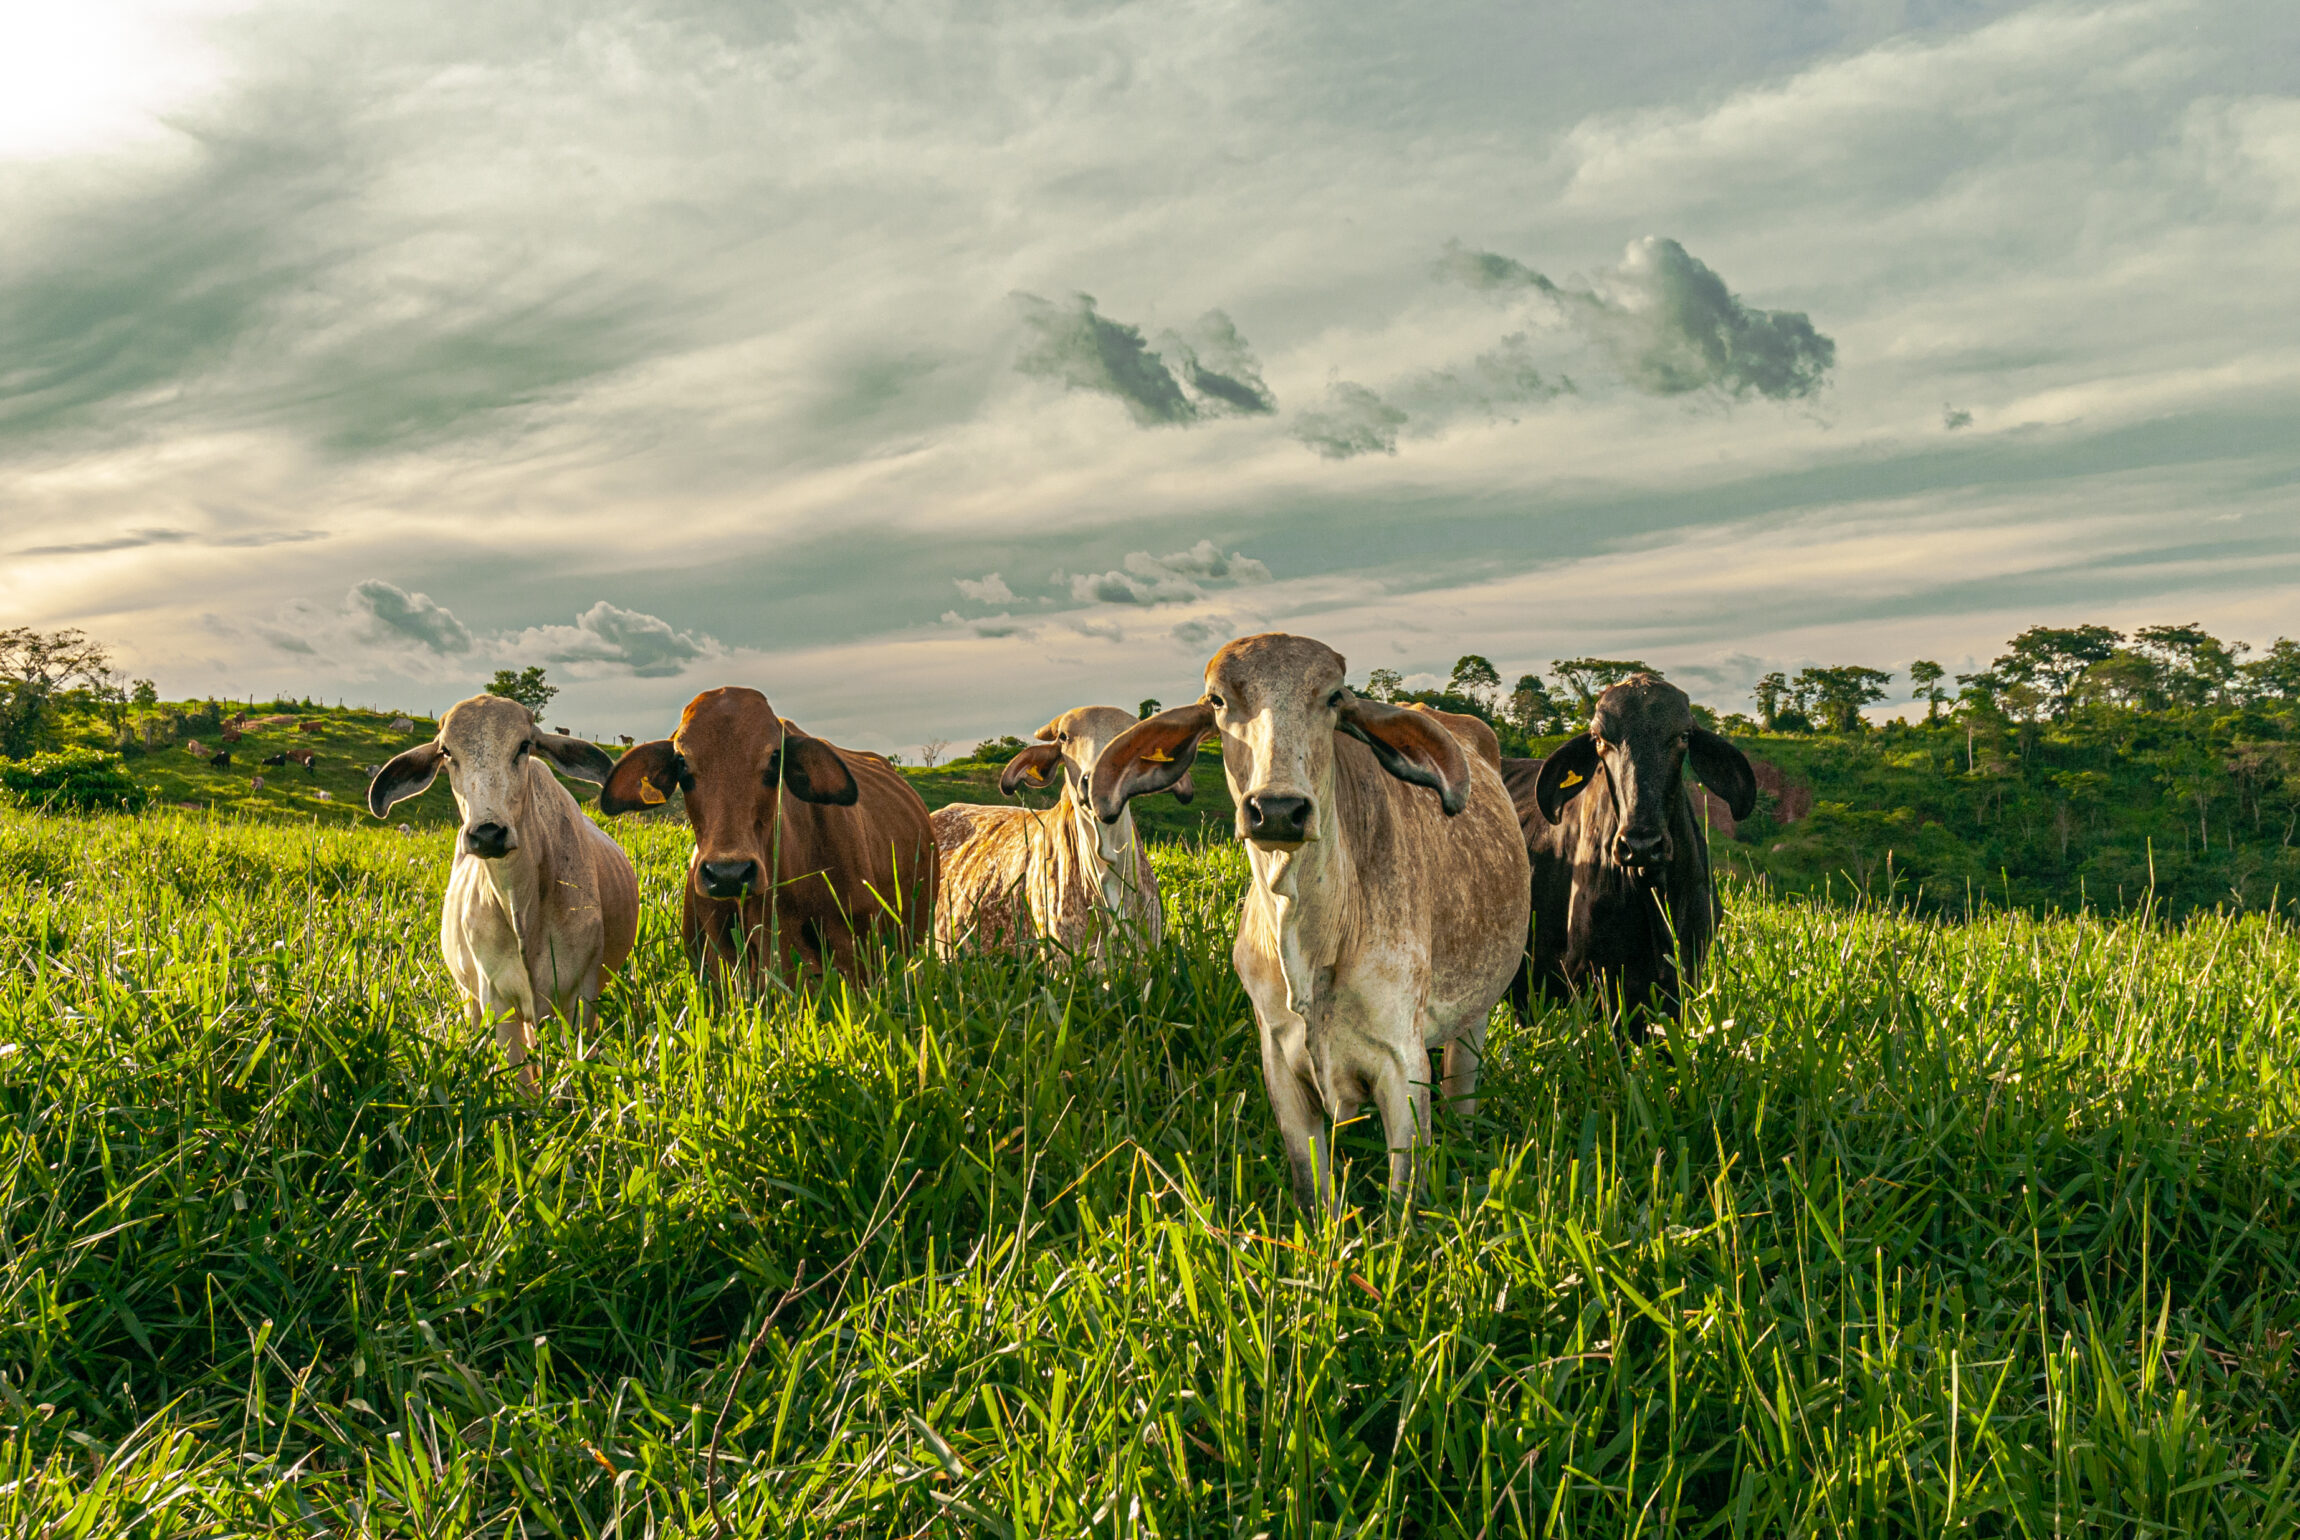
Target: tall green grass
(1914, 1228)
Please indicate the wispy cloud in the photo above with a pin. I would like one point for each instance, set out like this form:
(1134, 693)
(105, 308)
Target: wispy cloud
(1210, 373)
(1353, 421)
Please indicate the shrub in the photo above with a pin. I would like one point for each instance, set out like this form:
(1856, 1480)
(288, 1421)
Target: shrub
(73, 780)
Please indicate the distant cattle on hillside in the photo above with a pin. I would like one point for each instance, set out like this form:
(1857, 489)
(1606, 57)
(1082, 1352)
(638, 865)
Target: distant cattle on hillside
(232, 735)
(309, 727)
(272, 760)
(221, 759)
(403, 724)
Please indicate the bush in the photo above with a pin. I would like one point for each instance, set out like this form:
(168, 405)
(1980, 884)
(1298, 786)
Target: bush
(73, 780)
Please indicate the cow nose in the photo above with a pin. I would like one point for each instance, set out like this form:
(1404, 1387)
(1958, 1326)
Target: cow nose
(1636, 848)
(729, 879)
(488, 841)
(1278, 820)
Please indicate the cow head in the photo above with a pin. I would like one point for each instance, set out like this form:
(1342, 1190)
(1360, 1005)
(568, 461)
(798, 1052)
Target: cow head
(1640, 736)
(1277, 702)
(734, 758)
(1069, 747)
(490, 747)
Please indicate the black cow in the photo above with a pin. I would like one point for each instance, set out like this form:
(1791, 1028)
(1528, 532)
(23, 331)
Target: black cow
(1624, 903)
(221, 758)
(271, 760)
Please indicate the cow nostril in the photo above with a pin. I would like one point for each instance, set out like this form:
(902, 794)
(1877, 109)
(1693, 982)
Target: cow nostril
(729, 879)
(1280, 819)
(487, 840)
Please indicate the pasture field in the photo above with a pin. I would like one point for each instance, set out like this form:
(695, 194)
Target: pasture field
(1917, 1227)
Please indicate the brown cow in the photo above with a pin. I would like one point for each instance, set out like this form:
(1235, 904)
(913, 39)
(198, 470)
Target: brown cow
(1624, 903)
(1012, 876)
(1388, 905)
(849, 849)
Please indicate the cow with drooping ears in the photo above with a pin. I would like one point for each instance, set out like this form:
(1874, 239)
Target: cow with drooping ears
(541, 904)
(1388, 905)
(804, 852)
(1625, 904)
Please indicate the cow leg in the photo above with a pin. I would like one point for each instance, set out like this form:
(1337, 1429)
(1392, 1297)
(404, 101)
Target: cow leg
(1405, 1108)
(1300, 1114)
(1464, 1056)
(517, 1035)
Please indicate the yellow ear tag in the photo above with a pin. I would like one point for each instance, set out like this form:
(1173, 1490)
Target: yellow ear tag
(1572, 778)
(648, 794)
(1159, 757)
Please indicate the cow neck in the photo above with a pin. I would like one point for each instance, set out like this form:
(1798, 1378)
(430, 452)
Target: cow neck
(1118, 891)
(1310, 895)
(518, 878)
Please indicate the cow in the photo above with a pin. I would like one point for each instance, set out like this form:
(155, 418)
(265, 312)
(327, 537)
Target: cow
(221, 759)
(1014, 876)
(305, 758)
(1624, 902)
(273, 761)
(802, 850)
(309, 726)
(232, 735)
(1387, 911)
(541, 904)
(625, 739)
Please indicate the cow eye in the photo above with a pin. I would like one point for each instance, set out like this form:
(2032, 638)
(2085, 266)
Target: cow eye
(1214, 700)
(1335, 700)
(521, 751)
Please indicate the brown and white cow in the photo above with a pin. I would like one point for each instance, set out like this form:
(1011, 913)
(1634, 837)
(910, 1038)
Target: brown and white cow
(1388, 906)
(541, 903)
(801, 849)
(1014, 876)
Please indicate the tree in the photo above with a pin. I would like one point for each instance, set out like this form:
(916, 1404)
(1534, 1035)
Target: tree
(1149, 709)
(1588, 678)
(525, 686)
(1476, 678)
(145, 694)
(1530, 707)
(1772, 696)
(2052, 658)
(930, 752)
(1835, 696)
(2197, 667)
(1925, 678)
(2125, 678)
(36, 667)
(2275, 674)
(1384, 684)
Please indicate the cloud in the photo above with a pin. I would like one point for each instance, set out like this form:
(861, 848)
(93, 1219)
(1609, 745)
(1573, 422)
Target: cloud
(1209, 630)
(1669, 324)
(1354, 421)
(1955, 417)
(1489, 386)
(396, 613)
(1177, 579)
(135, 539)
(990, 588)
(1213, 373)
(1219, 369)
(605, 633)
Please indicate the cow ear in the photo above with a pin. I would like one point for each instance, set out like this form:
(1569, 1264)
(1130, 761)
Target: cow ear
(1414, 746)
(813, 772)
(1725, 770)
(1152, 755)
(1031, 767)
(644, 777)
(574, 757)
(406, 775)
(1565, 775)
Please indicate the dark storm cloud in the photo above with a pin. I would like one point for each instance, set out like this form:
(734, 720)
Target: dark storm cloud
(415, 617)
(1669, 323)
(1210, 373)
(1353, 421)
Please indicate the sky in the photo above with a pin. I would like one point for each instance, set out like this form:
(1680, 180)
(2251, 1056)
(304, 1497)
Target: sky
(937, 367)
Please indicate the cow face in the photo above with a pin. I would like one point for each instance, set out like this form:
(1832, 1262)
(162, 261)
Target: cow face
(489, 747)
(1277, 701)
(1639, 739)
(734, 759)
(1069, 747)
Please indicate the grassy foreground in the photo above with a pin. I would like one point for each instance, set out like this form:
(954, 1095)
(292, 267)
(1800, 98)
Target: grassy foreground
(1921, 1227)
